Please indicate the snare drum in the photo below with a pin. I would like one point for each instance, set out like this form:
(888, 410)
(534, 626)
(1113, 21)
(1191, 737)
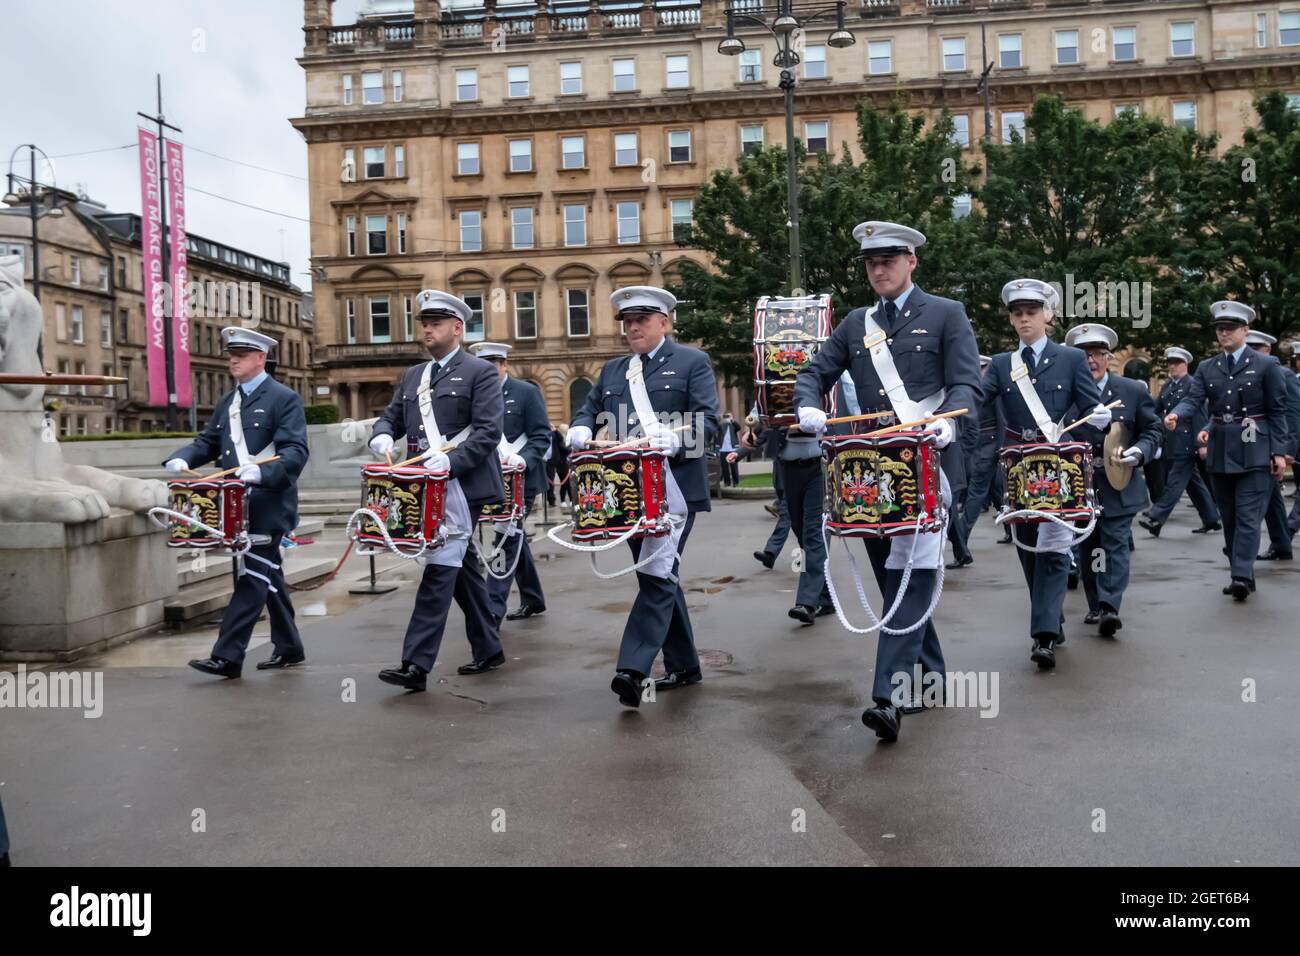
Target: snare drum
(408, 500)
(512, 508)
(1049, 478)
(880, 487)
(787, 335)
(221, 504)
(615, 492)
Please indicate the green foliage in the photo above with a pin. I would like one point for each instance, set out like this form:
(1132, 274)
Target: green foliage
(126, 436)
(321, 414)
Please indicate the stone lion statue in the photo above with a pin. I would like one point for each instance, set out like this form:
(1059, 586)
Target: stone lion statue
(35, 484)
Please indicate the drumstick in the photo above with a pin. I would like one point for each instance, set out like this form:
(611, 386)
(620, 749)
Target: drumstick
(1115, 404)
(637, 441)
(388, 457)
(845, 419)
(222, 474)
(921, 421)
(420, 457)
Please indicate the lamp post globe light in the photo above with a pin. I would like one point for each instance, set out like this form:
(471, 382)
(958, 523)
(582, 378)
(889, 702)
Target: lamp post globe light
(32, 195)
(785, 26)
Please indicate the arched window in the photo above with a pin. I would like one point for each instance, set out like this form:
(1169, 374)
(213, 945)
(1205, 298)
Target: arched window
(578, 390)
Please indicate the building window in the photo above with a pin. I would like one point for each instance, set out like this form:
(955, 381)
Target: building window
(1067, 47)
(466, 85)
(880, 57)
(961, 206)
(123, 326)
(1012, 123)
(106, 329)
(376, 235)
(1261, 30)
(399, 161)
(954, 53)
(471, 230)
(1009, 51)
(103, 277)
(681, 213)
(574, 152)
(517, 81)
(624, 75)
(1123, 41)
(751, 139)
(521, 228)
(816, 136)
(575, 225)
(679, 146)
(577, 312)
(814, 61)
(625, 149)
(74, 270)
(401, 233)
(81, 389)
(678, 69)
(350, 312)
(349, 171)
(350, 230)
(397, 86)
(751, 67)
(78, 325)
(408, 322)
(474, 327)
(81, 419)
(121, 272)
(525, 315)
(1122, 108)
(1182, 39)
(374, 157)
(1185, 114)
(1288, 28)
(1293, 102)
(570, 78)
(65, 368)
(372, 88)
(521, 155)
(629, 222)
(380, 327)
(960, 130)
(467, 159)
(347, 89)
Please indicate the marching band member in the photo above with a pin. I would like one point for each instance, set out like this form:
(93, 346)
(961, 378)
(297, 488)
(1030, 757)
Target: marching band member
(1105, 579)
(660, 378)
(984, 477)
(913, 354)
(441, 397)
(258, 418)
(1247, 435)
(1181, 472)
(1033, 389)
(525, 414)
(1275, 518)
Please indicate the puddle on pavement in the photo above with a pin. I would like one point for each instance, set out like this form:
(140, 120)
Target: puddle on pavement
(614, 607)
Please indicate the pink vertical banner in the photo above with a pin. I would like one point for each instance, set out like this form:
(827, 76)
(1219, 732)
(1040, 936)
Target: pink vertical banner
(179, 277)
(151, 239)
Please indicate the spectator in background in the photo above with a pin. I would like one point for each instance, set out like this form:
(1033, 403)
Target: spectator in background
(729, 449)
(557, 465)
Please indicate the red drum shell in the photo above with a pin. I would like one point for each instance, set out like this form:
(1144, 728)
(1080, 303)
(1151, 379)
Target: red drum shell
(409, 500)
(879, 487)
(512, 508)
(614, 490)
(1049, 478)
(220, 503)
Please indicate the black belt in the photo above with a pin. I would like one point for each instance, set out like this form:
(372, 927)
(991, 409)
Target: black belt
(1235, 418)
(1023, 435)
(787, 462)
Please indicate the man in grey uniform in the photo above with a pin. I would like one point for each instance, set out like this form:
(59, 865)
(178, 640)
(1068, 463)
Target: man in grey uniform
(1181, 472)
(1275, 518)
(1247, 435)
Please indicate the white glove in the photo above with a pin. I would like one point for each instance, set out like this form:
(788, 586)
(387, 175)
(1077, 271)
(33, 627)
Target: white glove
(662, 438)
(1131, 456)
(250, 474)
(579, 435)
(381, 445)
(1159, 452)
(175, 466)
(514, 461)
(812, 420)
(943, 433)
(436, 460)
(1100, 417)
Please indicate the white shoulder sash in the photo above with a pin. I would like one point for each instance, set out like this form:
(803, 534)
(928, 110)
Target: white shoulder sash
(877, 344)
(1020, 375)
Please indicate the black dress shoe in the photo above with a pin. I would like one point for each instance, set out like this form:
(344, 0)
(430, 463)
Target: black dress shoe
(772, 509)
(960, 563)
(525, 610)
(884, 719)
(1152, 528)
(411, 676)
(1239, 589)
(217, 667)
(675, 679)
(627, 684)
(805, 613)
(1207, 528)
(1060, 637)
(1072, 581)
(1006, 537)
(482, 667)
(1043, 653)
(1109, 622)
(1273, 554)
(277, 661)
(766, 558)
(824, 609)
(1092, 617)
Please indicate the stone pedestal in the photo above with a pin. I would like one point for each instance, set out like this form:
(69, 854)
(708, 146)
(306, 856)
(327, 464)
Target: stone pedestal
(67, 590)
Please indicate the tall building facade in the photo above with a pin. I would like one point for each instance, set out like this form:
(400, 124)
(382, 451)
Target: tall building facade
(533, 157)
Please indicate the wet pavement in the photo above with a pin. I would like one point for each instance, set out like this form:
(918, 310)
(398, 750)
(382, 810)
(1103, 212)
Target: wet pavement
(765, 762)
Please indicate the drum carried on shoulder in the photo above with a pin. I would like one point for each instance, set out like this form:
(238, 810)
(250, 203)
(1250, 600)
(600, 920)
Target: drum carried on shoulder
(401, 509)
(1048, 481)
(206, 514)
(787, 334)
(882, 486)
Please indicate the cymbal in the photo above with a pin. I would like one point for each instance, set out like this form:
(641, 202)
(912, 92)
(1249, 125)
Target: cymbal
(1118, 473)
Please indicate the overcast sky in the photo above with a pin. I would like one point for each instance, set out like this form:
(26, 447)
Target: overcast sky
(78, 70)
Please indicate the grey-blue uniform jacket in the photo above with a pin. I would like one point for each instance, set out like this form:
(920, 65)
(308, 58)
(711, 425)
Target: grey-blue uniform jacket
(1139, 414)
(1061, 379)
(1180, 443)
(272, 414)
(525, 414)
(680, 381)
(466, 393)
(1257, 390)
(1292, 410)
(933, 348)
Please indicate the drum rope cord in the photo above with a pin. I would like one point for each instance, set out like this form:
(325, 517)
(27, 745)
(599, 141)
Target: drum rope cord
(1079, 535)
(194, 522)
(383, 531)
(593, 549)
(514, 529)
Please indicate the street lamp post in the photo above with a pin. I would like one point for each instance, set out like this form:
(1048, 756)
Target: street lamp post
(33, 187)
(785, 27)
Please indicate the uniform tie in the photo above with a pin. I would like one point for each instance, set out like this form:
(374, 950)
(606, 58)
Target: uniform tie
(891, 313)
(1028, 355)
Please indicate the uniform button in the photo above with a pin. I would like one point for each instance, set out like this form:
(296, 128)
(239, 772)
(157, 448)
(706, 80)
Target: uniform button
(889, 341)
(1058, 388)
(882, 391)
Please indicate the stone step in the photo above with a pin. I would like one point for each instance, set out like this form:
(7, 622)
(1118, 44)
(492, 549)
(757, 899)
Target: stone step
(209, 596)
